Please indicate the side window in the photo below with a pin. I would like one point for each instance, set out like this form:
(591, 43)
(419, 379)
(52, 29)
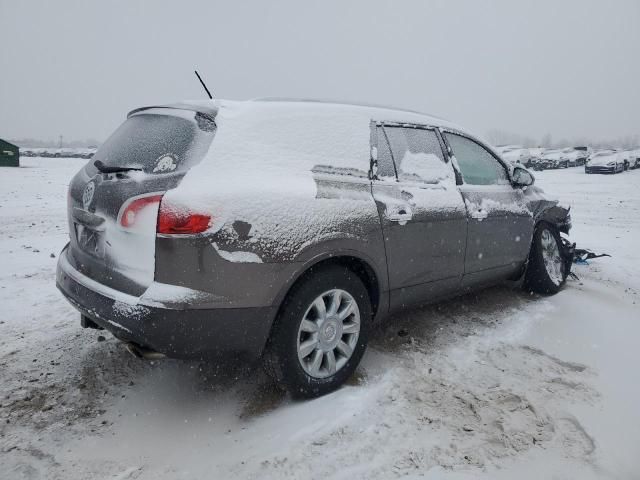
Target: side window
(477, 165)
(417, 154)
(385, 162)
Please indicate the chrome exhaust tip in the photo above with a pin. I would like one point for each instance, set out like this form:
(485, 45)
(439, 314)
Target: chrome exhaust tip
(141, 352)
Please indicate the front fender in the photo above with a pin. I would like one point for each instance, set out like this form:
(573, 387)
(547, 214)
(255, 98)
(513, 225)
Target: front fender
(545, 210)
(556, 215)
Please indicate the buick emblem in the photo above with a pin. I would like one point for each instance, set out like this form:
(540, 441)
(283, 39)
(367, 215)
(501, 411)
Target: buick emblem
(166, 163)
(87, 194)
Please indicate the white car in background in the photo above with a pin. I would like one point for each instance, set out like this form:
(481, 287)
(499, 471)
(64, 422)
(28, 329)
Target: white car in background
(578, 156)
(555, 159)
(537, 152)
(606, 161)
(536, 157)
(515, 154)
(634, 159)
(631, 159)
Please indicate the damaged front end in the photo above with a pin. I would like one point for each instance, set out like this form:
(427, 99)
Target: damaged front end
(568, 251)
(551, 212)
(560, 217)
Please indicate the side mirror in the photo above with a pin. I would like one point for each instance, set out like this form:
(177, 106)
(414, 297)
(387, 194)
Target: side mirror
(521, 177)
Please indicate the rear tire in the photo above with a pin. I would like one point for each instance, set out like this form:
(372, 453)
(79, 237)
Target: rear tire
(546, 271)
(311, 350)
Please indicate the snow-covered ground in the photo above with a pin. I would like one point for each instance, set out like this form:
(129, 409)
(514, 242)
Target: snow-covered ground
(495, 385)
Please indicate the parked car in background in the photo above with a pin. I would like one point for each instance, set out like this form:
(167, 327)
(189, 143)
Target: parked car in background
(537, 152)
(515, 154)
(605, 161)
(630, 159)
(53, 152)
(585, 153)
(535, 157)
(284, 229)
(577, 156)
(624, 156)
(555, 159)
(634, 159)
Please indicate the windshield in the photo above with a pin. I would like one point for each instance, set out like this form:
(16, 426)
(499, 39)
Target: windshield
(158, 141)
(603, 154)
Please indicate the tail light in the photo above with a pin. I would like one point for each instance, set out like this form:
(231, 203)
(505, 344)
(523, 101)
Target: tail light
(178, 220)
(167, 218)
(132, 210)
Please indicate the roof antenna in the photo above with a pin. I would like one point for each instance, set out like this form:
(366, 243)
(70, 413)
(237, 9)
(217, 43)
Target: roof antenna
(203, 85)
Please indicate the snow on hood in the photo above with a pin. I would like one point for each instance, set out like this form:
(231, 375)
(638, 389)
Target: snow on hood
(557, 155)
(512, 154)
(604, 159)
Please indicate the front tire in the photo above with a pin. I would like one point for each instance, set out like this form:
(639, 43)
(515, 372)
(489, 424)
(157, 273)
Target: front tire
(320, 333)
(547, 269)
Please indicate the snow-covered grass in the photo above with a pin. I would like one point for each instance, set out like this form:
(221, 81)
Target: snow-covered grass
(495, 385)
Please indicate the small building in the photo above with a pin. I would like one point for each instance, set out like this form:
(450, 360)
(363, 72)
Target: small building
(9, 154)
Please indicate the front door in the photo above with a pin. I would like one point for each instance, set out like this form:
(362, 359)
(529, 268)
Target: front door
(500, 224)
(422, 213)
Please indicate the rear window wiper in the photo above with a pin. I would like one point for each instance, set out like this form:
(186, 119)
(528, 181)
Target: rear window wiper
(107, 169)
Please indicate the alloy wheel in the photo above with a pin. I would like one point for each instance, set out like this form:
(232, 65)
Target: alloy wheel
(328, 333)
(551, 257)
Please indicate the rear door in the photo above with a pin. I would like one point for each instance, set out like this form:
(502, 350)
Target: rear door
(422, 214)
(500, 224)
(108, 242)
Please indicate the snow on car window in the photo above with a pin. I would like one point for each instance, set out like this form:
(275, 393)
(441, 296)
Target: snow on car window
(417, 154)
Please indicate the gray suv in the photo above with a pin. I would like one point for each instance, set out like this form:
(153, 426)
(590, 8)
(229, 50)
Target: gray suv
(283, 229)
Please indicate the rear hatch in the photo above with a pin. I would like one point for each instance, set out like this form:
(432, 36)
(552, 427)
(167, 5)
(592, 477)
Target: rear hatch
(112, 223)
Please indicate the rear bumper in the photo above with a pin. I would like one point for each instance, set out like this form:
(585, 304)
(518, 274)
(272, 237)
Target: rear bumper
(600, 169)
(179, 332)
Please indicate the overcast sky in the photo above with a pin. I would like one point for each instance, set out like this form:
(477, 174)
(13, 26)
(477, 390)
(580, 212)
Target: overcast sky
(569, 68)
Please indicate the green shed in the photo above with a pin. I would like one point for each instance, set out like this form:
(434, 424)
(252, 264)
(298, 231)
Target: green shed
(9, 154)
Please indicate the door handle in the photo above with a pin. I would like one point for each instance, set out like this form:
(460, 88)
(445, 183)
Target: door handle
(479, 215)
(402, 215)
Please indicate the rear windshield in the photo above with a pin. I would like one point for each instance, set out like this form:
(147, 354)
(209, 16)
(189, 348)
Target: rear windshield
(158, 141)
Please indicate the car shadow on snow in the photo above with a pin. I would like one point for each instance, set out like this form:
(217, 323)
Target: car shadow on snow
(431, 327)
(443, 323)
(105, 369)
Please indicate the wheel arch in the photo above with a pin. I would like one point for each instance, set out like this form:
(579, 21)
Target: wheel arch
(556, 216)
(373, 279)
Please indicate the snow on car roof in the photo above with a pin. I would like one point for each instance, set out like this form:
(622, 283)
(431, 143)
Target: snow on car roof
(342, 111)
(347, 103)
(375, 112)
